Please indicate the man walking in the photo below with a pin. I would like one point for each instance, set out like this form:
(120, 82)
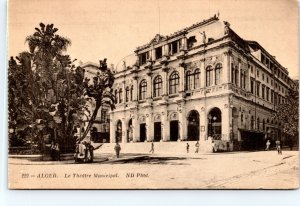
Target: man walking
(268, 145)
(187, 147)
(197, 147)
(152, 148)
(278, 147)
(117, 149)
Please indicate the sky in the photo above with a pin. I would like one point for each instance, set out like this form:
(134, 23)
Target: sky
(112, 29)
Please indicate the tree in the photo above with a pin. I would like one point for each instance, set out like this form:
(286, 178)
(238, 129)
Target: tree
(288, 114)
(100, 91)
(46, 91)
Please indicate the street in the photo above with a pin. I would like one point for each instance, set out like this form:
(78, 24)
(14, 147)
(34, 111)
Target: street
(241, 170)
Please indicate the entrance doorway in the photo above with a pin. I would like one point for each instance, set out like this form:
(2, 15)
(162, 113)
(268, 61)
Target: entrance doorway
(174, 130)
(157, 131)
(119, 131)
(215, 123)
(142, 132)
(193, 126)
(129, 131)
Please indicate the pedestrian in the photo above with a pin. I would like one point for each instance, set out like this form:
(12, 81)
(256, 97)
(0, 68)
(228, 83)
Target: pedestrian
(52, 151)
(187, 147)
(268, 145)
(197, 147)
(278, 147)
(152, 148)
(117, 149)
(57, 152)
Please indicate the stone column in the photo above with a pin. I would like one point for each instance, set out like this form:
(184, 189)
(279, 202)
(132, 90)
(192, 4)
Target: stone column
(181, 78)
(184, 43)
(226, 121)
(135, 89)
(149, 86)
(203, 123)
(124, 130)
(165, 50)
(165, 126)
(152, 52)
(165, 80)
(149, 128)
(227, 67)
(202, 74)
(182, 126)
(135, 128)
(124, 92)
(239, 73)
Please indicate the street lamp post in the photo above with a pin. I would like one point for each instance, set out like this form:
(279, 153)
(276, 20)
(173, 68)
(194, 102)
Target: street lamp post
(210, 124)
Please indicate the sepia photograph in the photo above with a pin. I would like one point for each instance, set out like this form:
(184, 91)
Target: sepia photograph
(153, 94)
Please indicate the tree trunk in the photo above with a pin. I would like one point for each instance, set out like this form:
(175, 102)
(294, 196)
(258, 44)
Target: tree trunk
(93, 117)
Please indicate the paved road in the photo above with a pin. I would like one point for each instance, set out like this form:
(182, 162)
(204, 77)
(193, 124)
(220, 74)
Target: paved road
(243, 170)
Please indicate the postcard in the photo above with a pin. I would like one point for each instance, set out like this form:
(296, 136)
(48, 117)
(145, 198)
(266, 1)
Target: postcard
(153, 94)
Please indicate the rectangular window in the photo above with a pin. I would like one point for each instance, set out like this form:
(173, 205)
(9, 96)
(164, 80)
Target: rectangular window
(263, 58)
(263, 91)
(143, 58)
(158, 52)
(257, 88)
(272, 96)
(252, 86)
(267, 93)
(174, 47)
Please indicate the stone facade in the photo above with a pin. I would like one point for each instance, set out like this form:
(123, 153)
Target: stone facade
(201, 83)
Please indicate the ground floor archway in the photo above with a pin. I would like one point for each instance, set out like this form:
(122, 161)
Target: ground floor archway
(174, 133)
(119, 131)
(215, 123)
(143, 135)
(157, 131)
(193, 126)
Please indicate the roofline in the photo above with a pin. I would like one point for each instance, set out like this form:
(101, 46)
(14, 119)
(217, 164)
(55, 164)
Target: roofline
(265, 51)
(182, 31)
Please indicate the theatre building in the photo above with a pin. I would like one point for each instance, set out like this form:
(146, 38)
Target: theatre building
(203, 83)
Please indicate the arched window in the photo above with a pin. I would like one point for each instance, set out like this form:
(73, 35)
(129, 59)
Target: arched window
(131, 93)
(241, 79)
(188, 80)
(157, 86)
(209, 76)
(232, 73)
(116, 96)
(173, 83)
(236, 76)
(197, 79)
(218, 71)
(143, 89)
(127, 94)
(120, 96)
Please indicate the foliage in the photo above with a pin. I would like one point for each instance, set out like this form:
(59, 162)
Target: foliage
(288, 114)
(100, 91)
(46, 92)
